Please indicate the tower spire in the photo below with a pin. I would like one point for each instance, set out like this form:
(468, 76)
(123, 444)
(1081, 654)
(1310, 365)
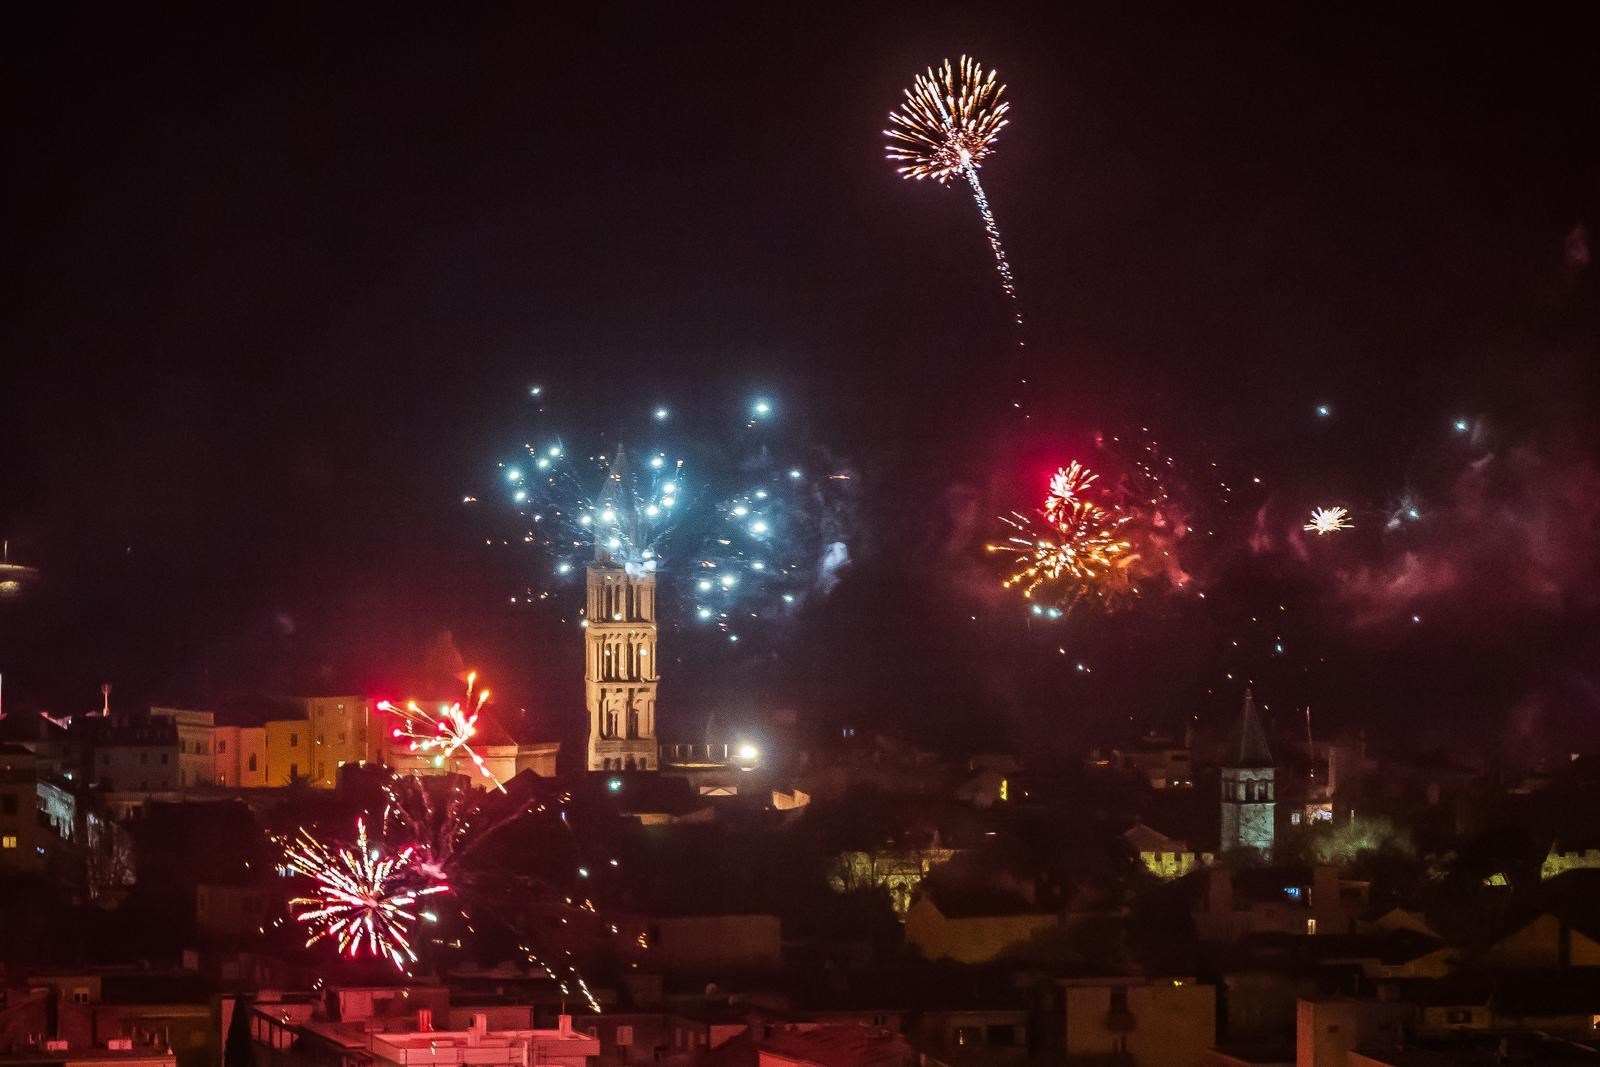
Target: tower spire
(1251, 748)
(1249, 807)
(618, 500)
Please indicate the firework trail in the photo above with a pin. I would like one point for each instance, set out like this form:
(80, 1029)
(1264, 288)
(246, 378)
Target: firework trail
(363, 898)
(443, 733)
(948, 125)
(447, 824)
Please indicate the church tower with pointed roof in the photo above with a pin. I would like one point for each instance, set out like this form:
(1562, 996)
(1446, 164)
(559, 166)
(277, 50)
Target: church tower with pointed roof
(1249, 806)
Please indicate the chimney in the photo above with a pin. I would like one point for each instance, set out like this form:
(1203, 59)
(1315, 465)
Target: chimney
(480, 1027)
(564, 1025)
(424, 1020)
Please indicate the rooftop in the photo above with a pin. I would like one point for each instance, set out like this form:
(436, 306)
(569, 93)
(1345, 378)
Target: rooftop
(840, 1046)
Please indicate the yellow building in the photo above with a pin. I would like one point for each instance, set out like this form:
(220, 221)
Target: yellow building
(289, 754)
(978, 934)
(1559, 860)
(343, 729)
(1163, 856)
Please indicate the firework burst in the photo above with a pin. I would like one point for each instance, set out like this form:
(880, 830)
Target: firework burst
(949, 121)
(1070, 546)
(764, 525)
(442, 733)
(948, 125)
(364, 899)
(602, 507)
(1328, 520)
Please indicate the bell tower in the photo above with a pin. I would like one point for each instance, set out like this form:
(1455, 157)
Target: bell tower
(1249, 807)
(619, 665)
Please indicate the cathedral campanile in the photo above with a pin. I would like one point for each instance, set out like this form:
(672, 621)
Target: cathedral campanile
(619, 665)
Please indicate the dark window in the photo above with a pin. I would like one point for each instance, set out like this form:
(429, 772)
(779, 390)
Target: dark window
(1459, 1016)
(252, 761)
(1119, 999)
(8, 804)
(222, 748)
(294, 740)
(1000, 1035)
(163, 757)
(144, 757)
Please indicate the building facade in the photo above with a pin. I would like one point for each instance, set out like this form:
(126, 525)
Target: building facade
(1137, 1021)
(38, 813)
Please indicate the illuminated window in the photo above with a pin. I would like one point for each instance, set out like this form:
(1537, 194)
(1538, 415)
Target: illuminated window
(8, 841)
(1311, 926)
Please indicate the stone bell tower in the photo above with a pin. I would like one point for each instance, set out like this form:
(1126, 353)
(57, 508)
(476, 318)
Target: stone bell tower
(1249, 807)
(619, 665)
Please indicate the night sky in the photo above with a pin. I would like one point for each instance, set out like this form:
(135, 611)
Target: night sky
(279, 282)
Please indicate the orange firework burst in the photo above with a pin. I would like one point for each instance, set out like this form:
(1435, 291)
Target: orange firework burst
(949, 121)
(1071, 545)
(947, 126)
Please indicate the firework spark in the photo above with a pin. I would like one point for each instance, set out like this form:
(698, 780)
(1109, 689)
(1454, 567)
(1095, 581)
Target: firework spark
(1327, 520)
(363, 898)
(765, 524)
(443, 733)
(625, 519)
(948, 125)
(1071, 545)
(773, 543)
